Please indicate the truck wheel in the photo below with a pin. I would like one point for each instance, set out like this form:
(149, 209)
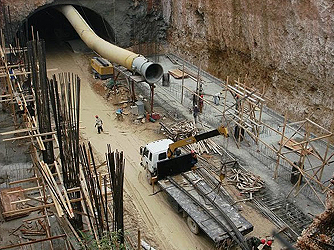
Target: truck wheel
(149, 177)
(192, 225)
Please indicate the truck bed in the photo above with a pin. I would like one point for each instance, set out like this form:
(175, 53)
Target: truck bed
(213, 214)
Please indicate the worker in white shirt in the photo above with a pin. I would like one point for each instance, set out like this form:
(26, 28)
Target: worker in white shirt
(216, 98)
(98, 124)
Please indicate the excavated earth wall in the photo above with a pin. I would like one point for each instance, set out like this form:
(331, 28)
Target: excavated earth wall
(285, 45)
(320, 234)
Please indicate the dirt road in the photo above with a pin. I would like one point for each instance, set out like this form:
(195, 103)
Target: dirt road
(159, 223)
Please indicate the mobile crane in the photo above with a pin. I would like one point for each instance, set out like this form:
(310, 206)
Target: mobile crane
(163, 157)
(190, 194)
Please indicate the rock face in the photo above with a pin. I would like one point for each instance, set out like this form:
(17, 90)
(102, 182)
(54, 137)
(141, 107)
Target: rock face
(286, 46)
(319, 235)
(21, 9)
(130, 20)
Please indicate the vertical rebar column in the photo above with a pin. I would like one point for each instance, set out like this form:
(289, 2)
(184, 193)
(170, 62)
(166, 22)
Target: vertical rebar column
(65, 101)
(116, 164)
(37, 61)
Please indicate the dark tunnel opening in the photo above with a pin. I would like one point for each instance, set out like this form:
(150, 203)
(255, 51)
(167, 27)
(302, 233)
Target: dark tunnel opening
(53, 27)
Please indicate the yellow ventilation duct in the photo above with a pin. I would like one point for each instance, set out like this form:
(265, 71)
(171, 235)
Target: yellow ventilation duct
(132, 61)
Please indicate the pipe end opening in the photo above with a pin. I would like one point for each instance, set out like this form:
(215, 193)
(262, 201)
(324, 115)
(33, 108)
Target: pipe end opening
(153, 73)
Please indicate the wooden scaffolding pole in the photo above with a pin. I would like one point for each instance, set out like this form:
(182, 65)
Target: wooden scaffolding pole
(279, 153)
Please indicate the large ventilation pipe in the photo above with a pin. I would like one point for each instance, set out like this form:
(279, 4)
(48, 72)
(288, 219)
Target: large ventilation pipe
(132, 61)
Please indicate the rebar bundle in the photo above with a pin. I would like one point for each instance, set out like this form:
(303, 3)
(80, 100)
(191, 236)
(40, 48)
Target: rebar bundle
(116, 164)
(65, 102)
(37, 62)
(94, 187)
(94, 200)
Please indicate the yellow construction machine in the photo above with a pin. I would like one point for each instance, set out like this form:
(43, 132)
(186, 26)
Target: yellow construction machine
(102, 68)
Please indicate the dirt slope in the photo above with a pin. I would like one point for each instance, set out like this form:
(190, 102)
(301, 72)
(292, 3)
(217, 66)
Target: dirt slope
(285, 47)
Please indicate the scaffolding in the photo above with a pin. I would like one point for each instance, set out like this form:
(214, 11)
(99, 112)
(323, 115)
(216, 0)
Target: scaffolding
(300, 149)
(65, 196)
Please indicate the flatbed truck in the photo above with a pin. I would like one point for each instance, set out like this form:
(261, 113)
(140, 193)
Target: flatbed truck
(190, 192)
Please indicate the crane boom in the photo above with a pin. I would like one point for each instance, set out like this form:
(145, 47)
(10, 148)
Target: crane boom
(221, 130)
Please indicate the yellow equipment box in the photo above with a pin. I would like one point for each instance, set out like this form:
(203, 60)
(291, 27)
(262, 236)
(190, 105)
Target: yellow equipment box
(102, 68)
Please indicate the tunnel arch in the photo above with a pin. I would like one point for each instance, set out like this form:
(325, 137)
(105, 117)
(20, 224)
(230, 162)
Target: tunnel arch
(52, 26)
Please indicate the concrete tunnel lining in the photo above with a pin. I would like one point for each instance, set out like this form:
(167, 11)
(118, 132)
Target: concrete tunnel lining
(123, 57)
(53, 27)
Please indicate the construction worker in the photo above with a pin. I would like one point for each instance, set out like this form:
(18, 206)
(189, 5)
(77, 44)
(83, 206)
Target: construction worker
(98, 124)
(194, 100)
(194, 157)
(195, 113)
(119, 114)
(166, 79)
(237, 102)
(253, 242)
(216, 98)
(201, 104)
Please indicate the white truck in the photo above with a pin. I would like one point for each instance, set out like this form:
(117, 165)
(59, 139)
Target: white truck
(189, 192)
(163, 157)
(153, 153)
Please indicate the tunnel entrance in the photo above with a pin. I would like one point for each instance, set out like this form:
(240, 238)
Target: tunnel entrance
(53, 27)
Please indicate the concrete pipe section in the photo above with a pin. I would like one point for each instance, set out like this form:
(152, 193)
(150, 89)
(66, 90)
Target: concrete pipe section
(152, 72)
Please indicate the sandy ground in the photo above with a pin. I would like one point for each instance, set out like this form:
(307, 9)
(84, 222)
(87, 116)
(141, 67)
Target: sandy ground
(159, 224)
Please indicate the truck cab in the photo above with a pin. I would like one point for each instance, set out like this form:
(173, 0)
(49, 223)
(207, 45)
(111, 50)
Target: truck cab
(152, 153)
(163, 158)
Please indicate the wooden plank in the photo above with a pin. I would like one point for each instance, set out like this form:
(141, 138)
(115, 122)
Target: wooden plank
(31, 209)
(177, 73)
(8, 201)
(317, 125)
(18, 131)
(249, 92)
(18, 74)
(23, 180)
(28, 136)
(39, 139)
(33, 242)
(24, 190)
(56, 187)
(293, 145)
(70, 209)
